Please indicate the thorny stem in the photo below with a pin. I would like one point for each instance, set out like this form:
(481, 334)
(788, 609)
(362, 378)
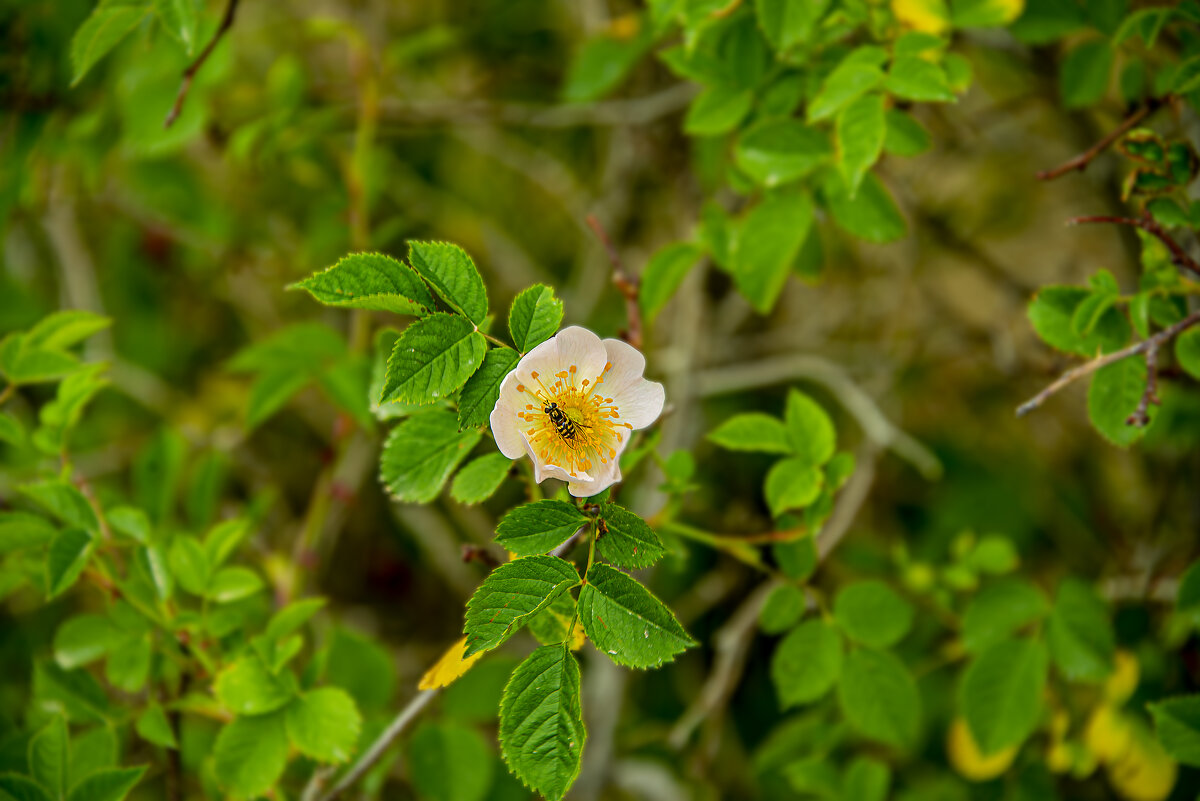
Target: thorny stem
(628, 286)
(1141, 415)
(1085, 158)
(1087, 368)
(1179, 256)
(190, 73)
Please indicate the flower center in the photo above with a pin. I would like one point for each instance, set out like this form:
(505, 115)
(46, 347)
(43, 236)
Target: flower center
(572, 425)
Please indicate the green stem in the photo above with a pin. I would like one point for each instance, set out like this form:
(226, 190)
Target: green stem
(7, 393)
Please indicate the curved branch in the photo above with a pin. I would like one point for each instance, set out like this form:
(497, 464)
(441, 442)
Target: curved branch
(190, 73)
(1085, 158)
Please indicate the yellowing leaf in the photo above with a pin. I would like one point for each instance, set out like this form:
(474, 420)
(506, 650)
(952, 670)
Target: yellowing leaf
(927, 16)
(578, 637)
(1108, 734)
(449, 668)
(1124, 679)
(967, 759)
(1145, 773)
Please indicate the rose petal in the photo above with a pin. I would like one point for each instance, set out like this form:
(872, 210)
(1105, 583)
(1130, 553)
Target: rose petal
(609, 474)
(580, 347)
(506, 426)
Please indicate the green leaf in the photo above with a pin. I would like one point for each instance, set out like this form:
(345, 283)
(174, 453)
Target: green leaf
(604, 60)
(478, 480)
(1080, 633)
(422, 452)
(806, 664)
(20, 530)
(1083, 79)
(151, 564)
(22, 363)
(247, 687)
(49, 752)
(776, 152)
(537, 528)
(541, 721)
(363, 668)
(292, 617)
(223, 539)
(792, 483)
(189, 564)
(1187, 351)
(866, 779)
(861, 127)
(717, 110)
(999, 611)
(993, 554)
(450, 762)
(370, 281)
(534, 317)
(128, 665)
(91, 751)
(180, 19)
(626, 540)
(1114, 395)
(1052, 311)
(512, 594)
(324, 724)
(810, 432)
(20, 788)
(984, 13)
(1187, 598)
(432, 358)
(663, 275)
(1001, 693)
(452, 274)
(905, 136)
(153, 727)
(879, 698)
(482, 390)
(68, 555)
(768, 240)
(871, 214)
(62, 414)
(627, 622)
(919, 79)
(110, 784)
(83, 639)
(110, 22)
(752, 431)
(131, 522)
(233, 584)
(11, 430)
(857, 74)
(871, 613)
(783, 609)
(63, 501)
(786, 23)
(250, 755)
(1177, 721)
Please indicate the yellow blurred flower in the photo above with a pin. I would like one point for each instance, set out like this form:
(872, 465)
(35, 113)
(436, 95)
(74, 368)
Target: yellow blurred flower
(927, 16)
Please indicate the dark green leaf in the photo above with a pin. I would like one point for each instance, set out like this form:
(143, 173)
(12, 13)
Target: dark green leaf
(370, 281)
(541, 721)
(452, 274)
(189, 564)
(783, 609)
(856, 75)
(450, 762)
(111, 784)
(537, 528)
(68, 555)
(49, 752)
(627, 622)
(1177, 721)
(511, 595)
(919, 79)
(786, 23)
(153, 727)
(663, 274)
(871, 214)
(768, 240)
(63, 501)
(806, 664)
(83, 639)
(879, 698)
(21, 788)
(422, 452)
(534, 317)
(1113, 397)
(110, 22)
(626, 540)
(1001, 610)
(1187, 351)
(432, 358)
(605, 59)
(1001, 693)
(905, 136)
(1080, 633)
(482, 390)
(1083, 80)
(20, 530)
(1052, 311)
(866, 779)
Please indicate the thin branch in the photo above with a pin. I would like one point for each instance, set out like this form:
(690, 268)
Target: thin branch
(1085, 158)
(381, 744)
(1179, 256)
(1087, 368)
(190, 73)
(627, 285)
(1141, 415)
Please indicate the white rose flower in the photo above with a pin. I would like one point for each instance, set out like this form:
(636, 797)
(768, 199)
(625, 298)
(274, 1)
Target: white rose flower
(572, 404)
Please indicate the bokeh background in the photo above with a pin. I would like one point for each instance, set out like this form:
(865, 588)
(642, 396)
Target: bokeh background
(319, 128)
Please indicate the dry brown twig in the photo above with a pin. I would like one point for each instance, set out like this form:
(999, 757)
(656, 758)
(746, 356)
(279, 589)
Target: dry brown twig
(627, 285)
(1085, 158)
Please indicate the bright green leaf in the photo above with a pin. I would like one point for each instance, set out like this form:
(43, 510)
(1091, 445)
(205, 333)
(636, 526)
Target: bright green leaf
(153, 727)
(111, 784)
(1001, 610)
(49, 752)
(663, 275)
(83, 639)
(233, 584)
(866, 779)
(512, 594)
(870, 612)
(810, 432)
(247, 687)
(452, 274)
(768, 240)
(20, 530)
(1083, 79)
(1080, 633)
(482, 390)
(189, 563)
(627, 622)
(478, 480)
(250, 755)
(776, 152)
(792, 483)
(806, 664)
(1001, 693)
(370, 281)
(626, 540)
(752, 431)
(717, 110)
(919, 79)
(110, 22)
(1114, 395)
(861, 128)
(879, 697)
(534, 317)
(64, 501)
(432, 358)
(422, 452)
(871, 214)
(537, 528)
(783, 609)
(324, 724)
(180, 19)
(68, 555)
(787, 23)
(450, 762)
(856, 75)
